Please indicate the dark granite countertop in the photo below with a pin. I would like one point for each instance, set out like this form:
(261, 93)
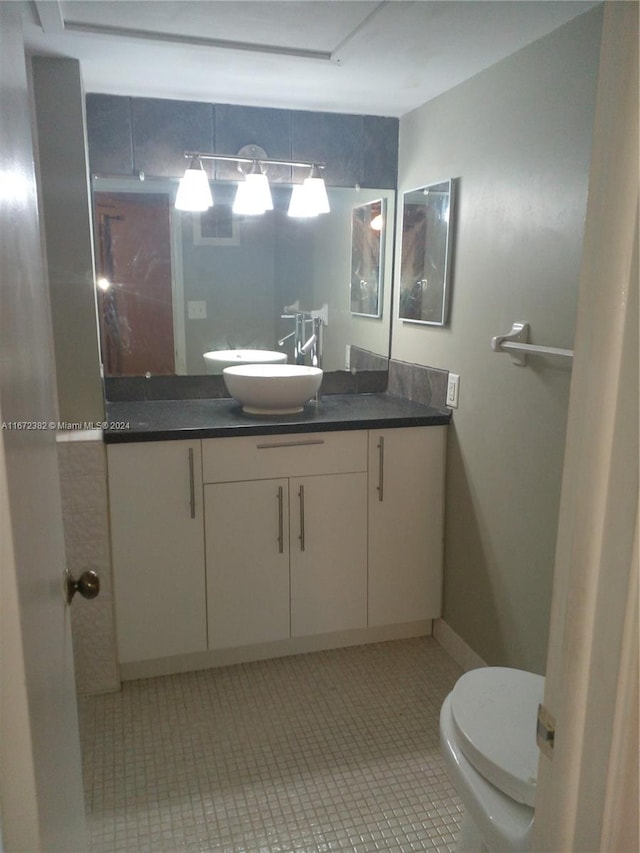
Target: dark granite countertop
(159, 420)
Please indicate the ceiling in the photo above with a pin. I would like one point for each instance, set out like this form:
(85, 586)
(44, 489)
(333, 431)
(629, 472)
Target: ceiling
(353, 56)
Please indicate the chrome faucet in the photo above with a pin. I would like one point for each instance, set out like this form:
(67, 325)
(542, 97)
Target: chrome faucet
(302, 347)
(313, 345)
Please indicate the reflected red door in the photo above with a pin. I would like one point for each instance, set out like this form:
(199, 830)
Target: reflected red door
(136, 308)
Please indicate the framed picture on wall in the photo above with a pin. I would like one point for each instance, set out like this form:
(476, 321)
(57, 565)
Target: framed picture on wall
(367, 262)
(427, 254)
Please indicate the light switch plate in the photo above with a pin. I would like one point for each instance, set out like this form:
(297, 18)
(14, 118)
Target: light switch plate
(197, 310)
(453, 388)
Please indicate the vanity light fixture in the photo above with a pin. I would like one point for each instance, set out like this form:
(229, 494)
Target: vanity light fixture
(194, 192)
(310, 197)
(254, 195)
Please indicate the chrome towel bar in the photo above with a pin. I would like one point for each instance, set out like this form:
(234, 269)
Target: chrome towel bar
(516, 343)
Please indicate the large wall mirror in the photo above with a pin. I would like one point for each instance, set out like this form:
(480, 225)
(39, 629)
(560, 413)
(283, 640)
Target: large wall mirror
(426, 260)
(173, 286)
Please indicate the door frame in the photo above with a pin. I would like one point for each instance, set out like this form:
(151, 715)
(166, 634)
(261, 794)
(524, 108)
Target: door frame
(169, 188)
(588, 790)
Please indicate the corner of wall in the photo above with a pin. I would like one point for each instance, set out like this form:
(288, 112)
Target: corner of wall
(65, 199)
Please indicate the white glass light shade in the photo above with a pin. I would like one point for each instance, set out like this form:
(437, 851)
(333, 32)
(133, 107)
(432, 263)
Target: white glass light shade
(253, 196)
(309, 198)
(194, 192)
(317, 194)
(299, 204)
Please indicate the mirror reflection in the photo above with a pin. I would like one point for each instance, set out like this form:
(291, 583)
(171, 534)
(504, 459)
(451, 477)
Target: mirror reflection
(173, 286)
(367, 224)
(425, 267)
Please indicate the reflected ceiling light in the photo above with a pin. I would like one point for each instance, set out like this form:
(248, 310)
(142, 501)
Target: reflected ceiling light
(194, 192)
(299, 206)
(103, 283)
(310, 197)
(376, 223)
(254, 195)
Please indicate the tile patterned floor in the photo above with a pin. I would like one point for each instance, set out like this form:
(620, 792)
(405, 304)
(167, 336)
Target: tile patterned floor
(327, 751)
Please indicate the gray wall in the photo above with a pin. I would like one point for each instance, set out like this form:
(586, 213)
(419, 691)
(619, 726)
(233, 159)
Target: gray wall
(64, 191)
(517, 137)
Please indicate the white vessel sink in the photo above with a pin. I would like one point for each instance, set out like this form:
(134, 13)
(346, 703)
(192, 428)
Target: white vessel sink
(217, 360)
(272, 389)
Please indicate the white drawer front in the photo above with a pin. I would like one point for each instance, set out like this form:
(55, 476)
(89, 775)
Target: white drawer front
(265, 456)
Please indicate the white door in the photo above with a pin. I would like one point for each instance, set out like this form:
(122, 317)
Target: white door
(41, 801)
(587, 796)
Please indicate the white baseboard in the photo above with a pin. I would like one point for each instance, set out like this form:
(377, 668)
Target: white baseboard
(455, 646)
(292, 646)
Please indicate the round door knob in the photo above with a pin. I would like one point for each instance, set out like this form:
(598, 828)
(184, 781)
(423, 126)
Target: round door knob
(88, 585)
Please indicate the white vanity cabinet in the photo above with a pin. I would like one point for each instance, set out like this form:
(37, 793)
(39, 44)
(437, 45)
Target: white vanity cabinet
(285, 531)
(228, 549)
(406, 518)
(155, 503)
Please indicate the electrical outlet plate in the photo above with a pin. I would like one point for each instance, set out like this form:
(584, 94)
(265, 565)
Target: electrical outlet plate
(453, 388)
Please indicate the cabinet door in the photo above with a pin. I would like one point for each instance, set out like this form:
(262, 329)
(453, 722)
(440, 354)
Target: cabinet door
(328, 553)
(406, 484)
(247, 552)
(155, 500)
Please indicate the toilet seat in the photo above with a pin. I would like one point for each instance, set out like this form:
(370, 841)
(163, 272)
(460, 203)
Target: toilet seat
(494, 712)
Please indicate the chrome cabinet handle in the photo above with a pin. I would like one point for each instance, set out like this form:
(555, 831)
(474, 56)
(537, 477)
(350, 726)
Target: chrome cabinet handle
(301, 498)
(380, 486)
(302, 443)
(280, 520)
(192, 485)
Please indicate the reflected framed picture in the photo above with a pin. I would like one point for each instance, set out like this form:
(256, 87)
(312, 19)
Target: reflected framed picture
(217, 226)
(367, 262)
(427, 253)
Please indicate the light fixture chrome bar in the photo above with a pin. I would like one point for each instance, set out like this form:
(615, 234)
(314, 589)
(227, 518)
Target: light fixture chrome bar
(268, 161)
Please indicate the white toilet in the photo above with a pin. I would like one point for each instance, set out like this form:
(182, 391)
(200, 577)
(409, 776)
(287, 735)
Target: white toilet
(488, 739)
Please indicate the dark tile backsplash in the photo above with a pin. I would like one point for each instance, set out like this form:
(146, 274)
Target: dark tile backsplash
(163, 130)
(418, 383)
(414, 382)
(380, 152)
(337, 140)
(237, 126)
(121, 389)
(363, 359)
(152, 134)
(110, 135)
